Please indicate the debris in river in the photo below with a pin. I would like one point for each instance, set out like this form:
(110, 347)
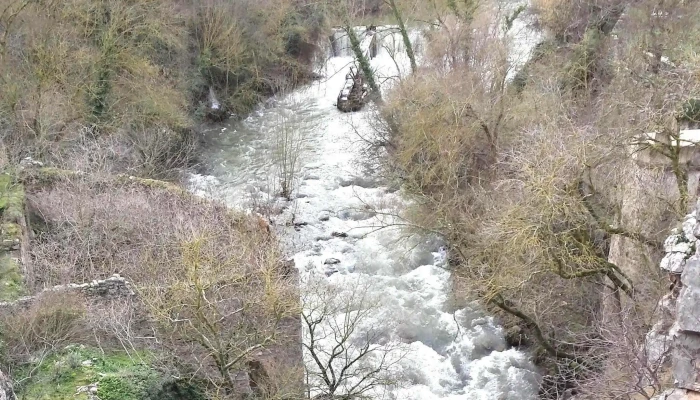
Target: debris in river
(353, 94)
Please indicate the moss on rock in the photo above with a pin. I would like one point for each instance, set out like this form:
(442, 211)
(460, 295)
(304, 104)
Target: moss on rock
(11, 198)
(152, 184)
(11, 283)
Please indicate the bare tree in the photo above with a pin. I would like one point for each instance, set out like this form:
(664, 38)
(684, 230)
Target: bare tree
(349, 355)
(290, 141)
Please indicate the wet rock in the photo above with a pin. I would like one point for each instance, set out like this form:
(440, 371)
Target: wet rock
(330, 271)
(299, 225)
(324, 216)
(363, 182)
(339, 234)
(316, 249)
(331, 261)
(515, 337)
(356, 215)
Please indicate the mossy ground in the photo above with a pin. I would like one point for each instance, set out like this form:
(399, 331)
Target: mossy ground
(11, 284)
(118, 375)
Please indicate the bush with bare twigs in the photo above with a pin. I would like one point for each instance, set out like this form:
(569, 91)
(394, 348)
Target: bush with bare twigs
(50, 324)
(211, 288)
(533, 185)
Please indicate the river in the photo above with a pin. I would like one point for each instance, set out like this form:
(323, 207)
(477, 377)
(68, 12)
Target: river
(343, 230)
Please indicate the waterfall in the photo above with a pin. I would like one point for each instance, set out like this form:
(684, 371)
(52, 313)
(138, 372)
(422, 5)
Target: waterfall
(213, 101)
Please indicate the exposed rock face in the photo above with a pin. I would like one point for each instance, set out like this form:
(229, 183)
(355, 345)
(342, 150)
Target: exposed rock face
(6, 391)
(678, 394)
(678, 327)
(686, 348)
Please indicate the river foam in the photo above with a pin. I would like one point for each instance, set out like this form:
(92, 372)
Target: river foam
(344, 232)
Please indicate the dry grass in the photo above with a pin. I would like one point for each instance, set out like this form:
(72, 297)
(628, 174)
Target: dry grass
(52, 322)
(210, 282)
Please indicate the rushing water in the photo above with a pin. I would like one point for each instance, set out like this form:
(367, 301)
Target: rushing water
(343, 235)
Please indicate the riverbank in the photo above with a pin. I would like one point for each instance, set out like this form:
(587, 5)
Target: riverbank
(134, 267)
(101, 105)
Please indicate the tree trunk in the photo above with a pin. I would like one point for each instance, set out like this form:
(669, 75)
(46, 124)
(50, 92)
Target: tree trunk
(363, 61)
(404, 35)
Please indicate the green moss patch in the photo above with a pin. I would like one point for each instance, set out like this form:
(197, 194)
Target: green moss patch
(11, 283)
(11, 198)
(117, 375)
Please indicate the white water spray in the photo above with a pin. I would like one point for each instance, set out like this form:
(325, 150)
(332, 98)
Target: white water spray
(347, 237)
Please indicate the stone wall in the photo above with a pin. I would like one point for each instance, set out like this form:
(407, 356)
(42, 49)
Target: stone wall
(677, 333)
(113, 287)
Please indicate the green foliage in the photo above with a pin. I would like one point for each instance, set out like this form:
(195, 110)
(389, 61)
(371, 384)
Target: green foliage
(83, 70)
(11, 283)
(581, 69)
(248, 50)
(509, 19)
(690, 110)
(463, 10)
(98, 93)
(365, 66)
(119, 376)
(5, 185)
(11, 199)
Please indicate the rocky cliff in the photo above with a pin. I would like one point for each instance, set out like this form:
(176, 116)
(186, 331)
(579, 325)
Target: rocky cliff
(675, 338)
